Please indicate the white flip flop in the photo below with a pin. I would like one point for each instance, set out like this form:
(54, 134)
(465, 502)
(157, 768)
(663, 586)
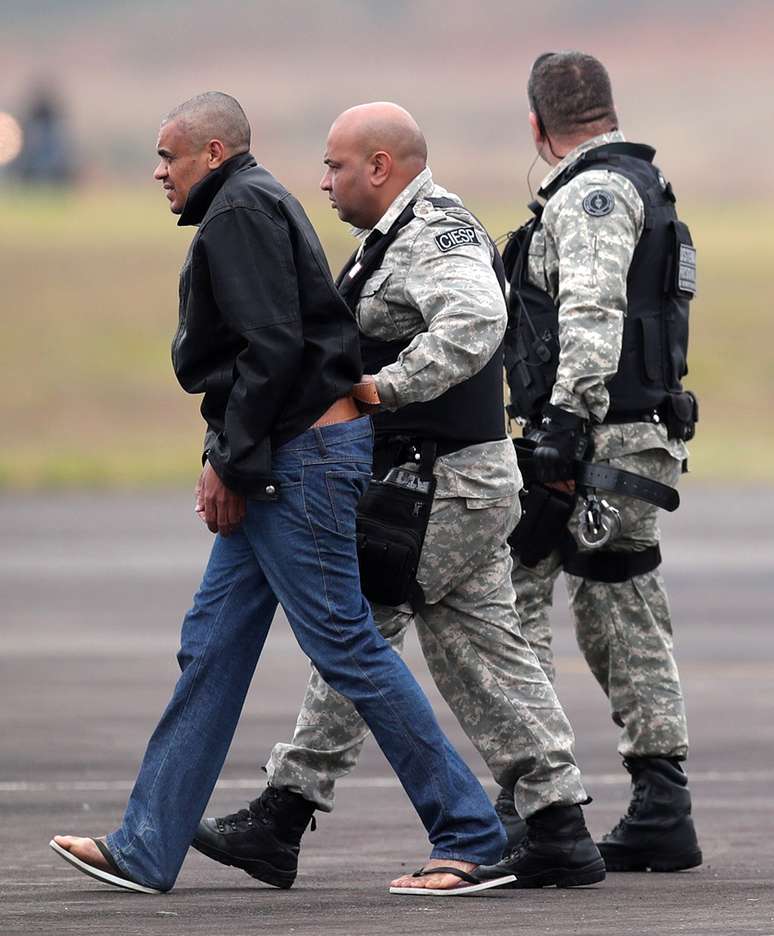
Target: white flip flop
(116, 879)
(473, 885)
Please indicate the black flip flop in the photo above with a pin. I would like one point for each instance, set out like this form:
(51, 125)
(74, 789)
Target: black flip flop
(115, 876)
(473, 884)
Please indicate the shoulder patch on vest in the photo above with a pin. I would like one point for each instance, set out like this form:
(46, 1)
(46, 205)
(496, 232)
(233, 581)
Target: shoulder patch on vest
(686, 269)
(459, 237)
(599, 203)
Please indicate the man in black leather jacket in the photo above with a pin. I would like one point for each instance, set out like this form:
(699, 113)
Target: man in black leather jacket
(264, 335)
(272, 352)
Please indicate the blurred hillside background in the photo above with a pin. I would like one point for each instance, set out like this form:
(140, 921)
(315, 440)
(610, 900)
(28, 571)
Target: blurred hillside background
(89, 271)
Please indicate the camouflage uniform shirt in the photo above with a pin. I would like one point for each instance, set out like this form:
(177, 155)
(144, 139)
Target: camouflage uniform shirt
(583, 261)
(448, 302)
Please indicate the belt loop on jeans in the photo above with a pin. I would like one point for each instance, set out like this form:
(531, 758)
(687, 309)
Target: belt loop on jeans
(321, 446)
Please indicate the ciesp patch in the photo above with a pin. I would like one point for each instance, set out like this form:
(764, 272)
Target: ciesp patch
(599, 203)
(459, 237)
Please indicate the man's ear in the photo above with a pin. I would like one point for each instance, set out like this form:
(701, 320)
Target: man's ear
(379, 168)
(216, 154)
(537, 130)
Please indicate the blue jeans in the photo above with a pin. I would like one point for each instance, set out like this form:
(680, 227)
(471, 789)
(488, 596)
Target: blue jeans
(299, 552)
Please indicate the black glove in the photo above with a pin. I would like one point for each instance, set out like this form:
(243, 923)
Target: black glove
(561, 438)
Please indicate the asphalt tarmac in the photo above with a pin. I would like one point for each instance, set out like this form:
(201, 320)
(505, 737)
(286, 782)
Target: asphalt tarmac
(92, 591)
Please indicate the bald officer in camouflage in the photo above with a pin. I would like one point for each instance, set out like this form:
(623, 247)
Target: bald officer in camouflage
(432, 310)
(619, 268)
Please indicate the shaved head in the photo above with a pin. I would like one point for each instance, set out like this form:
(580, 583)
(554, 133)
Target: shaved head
(384, 126)
(372, 153)
(212, 116)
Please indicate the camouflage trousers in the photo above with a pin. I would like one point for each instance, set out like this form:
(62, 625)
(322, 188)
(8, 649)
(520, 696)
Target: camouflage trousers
(483, 667)
(624, 629)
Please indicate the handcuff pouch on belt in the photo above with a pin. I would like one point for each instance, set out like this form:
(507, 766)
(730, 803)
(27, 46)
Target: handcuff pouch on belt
(681, 415)
(545, 513)
(547, 510)
(392, 519)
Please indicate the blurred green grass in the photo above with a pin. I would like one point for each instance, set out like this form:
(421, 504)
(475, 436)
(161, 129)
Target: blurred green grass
(89, 286)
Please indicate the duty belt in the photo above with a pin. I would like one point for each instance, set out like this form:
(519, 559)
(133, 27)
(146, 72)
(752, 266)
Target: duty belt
(656, 416)
(391, 450)
(605, 478)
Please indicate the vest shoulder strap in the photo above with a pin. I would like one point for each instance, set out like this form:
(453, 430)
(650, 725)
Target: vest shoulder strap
(443, 203)
(607, 155)
(356, 270)
(497, 261)
(376, 245)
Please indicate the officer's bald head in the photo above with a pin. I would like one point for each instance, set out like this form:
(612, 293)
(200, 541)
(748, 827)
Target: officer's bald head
(383, 126)
(372, 153)
(212, 116)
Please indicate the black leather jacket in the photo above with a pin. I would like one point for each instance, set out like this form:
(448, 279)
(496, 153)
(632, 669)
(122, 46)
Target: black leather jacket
(263, 332)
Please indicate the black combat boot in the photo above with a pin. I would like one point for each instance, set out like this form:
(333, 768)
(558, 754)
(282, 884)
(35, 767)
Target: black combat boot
(515, 827)
(263, 839)
(557, 850)
(657, 832)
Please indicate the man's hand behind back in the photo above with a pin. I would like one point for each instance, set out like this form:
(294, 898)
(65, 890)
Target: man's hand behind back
(221, 509)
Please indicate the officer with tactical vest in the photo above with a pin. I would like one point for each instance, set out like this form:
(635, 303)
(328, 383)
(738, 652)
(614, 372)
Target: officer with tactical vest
(600, 283)
(424, 289)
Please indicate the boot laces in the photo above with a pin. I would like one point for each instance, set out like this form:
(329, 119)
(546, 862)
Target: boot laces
(257, 809)
(241, 817)
(521, 848)
(638, 793)
(269, 804)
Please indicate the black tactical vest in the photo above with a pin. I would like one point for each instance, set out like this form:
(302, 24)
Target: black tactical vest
(468, 413)
(660, 284)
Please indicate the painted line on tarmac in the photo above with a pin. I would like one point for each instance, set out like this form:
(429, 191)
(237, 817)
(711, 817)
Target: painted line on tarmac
(353, 783)
(34, 883)
(686, 556)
